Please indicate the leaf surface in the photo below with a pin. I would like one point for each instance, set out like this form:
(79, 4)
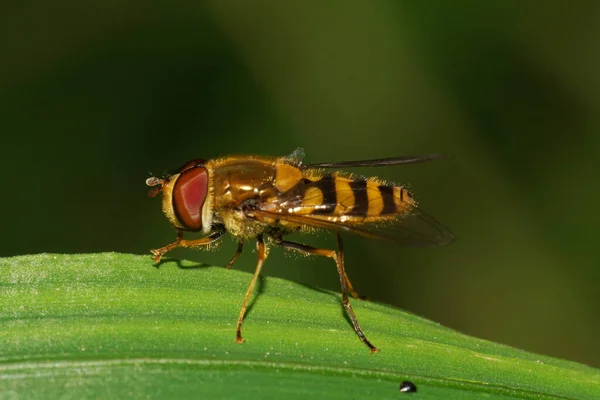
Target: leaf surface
(116, 325)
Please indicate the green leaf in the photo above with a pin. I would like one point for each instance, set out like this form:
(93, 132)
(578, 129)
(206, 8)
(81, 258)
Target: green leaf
(115, 325)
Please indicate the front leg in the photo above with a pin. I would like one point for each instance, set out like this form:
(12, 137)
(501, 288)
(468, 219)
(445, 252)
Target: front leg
(158, 253)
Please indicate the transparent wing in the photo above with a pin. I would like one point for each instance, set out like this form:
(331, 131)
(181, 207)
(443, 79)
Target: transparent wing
(340, 210)
(380, 162)
(413, 229)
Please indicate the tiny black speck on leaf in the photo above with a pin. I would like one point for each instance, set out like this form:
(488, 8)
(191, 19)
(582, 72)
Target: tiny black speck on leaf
(408, 387)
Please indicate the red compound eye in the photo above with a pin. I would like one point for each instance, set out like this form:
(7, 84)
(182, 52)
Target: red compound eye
(189, 194)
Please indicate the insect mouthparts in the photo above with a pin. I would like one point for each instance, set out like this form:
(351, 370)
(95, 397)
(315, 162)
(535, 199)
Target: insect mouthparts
(154, 181)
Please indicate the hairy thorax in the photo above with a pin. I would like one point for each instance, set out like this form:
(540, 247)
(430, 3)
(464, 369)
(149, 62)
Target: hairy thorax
(238, 185)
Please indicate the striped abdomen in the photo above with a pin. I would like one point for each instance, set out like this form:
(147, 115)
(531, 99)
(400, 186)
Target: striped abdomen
(359, 200)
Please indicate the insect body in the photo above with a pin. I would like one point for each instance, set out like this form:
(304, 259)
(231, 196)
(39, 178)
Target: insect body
(268, 198)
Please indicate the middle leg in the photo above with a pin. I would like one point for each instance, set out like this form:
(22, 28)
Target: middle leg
(262, 256)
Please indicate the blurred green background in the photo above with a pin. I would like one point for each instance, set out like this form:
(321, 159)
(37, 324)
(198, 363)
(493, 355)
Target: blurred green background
(95, 96)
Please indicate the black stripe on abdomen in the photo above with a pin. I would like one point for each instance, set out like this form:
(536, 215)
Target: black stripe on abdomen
(387, 194)
(361, 199)
(327, 187)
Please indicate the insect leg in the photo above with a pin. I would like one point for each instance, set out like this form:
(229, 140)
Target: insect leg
(339, 261)
(262, 256)
(341, 257)
(158, 253)
(236, 255)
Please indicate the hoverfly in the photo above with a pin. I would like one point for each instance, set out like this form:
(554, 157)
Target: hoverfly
(268, 198)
